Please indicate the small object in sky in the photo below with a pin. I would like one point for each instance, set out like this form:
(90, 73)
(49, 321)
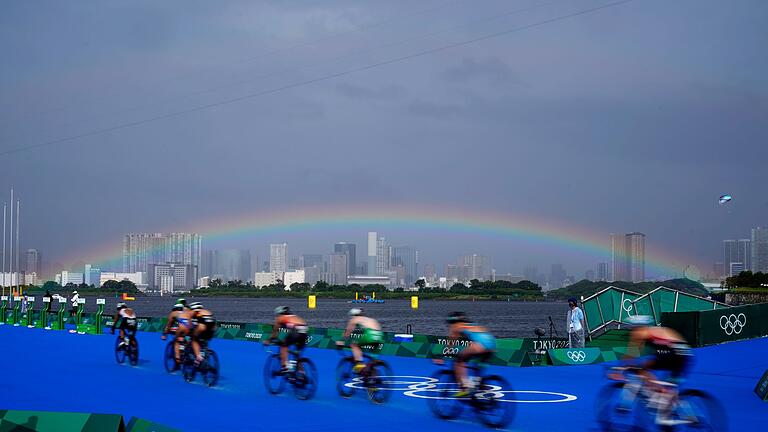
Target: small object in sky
(725, 198)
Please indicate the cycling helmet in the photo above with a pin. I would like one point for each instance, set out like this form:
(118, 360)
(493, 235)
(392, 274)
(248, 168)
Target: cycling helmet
(196, 306)
(355, 312)
(640, 320)
(178, 307)
(457, 317)
(121, 306)
(282, 310)
(182, 301)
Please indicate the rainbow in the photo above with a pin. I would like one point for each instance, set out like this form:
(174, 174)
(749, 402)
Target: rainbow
(536, 229)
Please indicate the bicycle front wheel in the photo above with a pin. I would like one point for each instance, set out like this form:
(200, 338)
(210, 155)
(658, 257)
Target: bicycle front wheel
(377, 381)
(492, 409)
(119, 351)
(305, 381)
(441, 401)
(344, 377)
(615, 409)
(169, 358)
(274, 381)
(211, 370)
(699, 411)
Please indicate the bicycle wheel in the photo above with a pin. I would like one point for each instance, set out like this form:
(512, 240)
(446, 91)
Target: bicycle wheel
(119, 351)
(133, 354)
(169, 358)
(377, 381)
(699, 411)
(441, 402)
(489, 402)
(344, 376)
(305, 380)
(188, 368)
(211, 369)
(613, 412)
(274, 381)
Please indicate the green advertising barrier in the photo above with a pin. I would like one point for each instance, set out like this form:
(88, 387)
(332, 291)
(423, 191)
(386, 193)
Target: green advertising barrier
(58, 323)
(720, 325)
(4, 310)
(761, 389)
(42, 321)
(44, 421)
(575, 356)
(16, 313)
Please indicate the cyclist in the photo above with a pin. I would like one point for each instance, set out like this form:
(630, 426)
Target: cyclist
(296, 333)
(370, 333)
(176, 319)
(203, 325)
(658, 349)
(125, 320)
(482, 345)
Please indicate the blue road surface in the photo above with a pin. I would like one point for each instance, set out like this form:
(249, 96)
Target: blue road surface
(60, 371)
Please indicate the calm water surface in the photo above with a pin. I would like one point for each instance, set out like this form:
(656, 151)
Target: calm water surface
(505, 319)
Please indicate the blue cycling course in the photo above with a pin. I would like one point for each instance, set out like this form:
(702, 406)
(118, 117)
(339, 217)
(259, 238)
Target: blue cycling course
(59, 371)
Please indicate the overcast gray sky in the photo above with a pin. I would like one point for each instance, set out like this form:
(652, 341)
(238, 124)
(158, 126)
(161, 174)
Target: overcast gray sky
(635, 117)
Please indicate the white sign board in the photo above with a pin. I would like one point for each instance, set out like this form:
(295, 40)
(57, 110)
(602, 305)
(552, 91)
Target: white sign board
(4, 298)
(16, 298)
(80, 301)
(30, 299)
(62, 300)
(46, 299)
(101, 301)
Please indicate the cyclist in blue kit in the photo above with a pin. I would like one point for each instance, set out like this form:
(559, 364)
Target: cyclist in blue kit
(482, 346)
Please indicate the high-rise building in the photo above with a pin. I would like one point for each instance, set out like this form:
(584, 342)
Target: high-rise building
(337, 269)
(382, 256)
(230, 264)
(531, 273)
(478, 266)
(349, 249)
(372, 246)
(278, 258)
(311, 260)
(617, 259)
(634, 250)
(33, 260)
(557, 276)
(407, 257)
(92, 276)
(589, 275)
(68, 277)
(169, 278)
(759, 250)
(602, 271)
(737, 251)
(140, 250)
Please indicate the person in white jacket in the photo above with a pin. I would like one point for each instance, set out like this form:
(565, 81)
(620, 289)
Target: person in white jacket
(74, 300)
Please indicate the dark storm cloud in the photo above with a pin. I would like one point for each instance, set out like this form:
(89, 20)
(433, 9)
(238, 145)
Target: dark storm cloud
(635, 117)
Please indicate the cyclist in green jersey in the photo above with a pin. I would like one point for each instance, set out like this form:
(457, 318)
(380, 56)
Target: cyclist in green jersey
(370, 333)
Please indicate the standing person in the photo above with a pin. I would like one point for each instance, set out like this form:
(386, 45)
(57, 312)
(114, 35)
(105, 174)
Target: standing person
(24, 304)
(576, 325)
(73, 300)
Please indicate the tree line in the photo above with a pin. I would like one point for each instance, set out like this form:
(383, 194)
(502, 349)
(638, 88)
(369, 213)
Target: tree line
(747, 279)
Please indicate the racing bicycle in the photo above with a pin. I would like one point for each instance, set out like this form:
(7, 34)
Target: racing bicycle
(208, 366)
(301, 374)
(372, 378)
(486, 400)
(128, 347)
(632, 403)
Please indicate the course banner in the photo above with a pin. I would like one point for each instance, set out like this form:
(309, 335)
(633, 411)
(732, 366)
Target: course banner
(576, 356)
(761, 389)
(45, 421)
(721, 325)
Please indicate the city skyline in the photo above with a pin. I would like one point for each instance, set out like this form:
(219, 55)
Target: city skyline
(515, 125)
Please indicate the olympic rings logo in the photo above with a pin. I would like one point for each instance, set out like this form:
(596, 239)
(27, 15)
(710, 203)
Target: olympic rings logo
(733, 324)
(577, 356)
(450, 351)
(624, 305)
(429, 388)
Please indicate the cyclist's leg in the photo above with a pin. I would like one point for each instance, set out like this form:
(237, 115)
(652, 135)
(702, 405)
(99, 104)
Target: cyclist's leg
(181, 333)
(357, 352)
(460, 364)
(200, 329)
